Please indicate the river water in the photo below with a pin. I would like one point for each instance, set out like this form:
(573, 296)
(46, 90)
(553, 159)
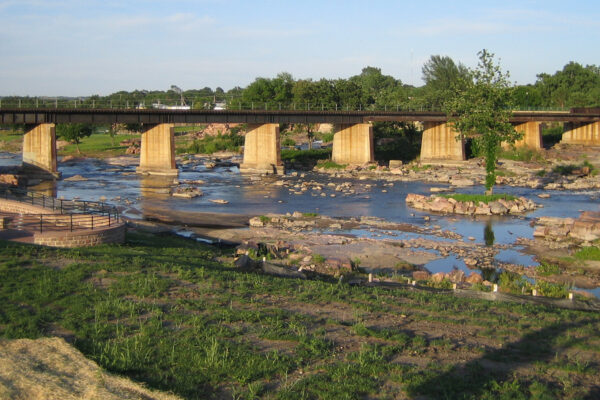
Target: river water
(245, 195)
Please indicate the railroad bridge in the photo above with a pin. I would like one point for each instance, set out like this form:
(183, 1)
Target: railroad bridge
(352, 142)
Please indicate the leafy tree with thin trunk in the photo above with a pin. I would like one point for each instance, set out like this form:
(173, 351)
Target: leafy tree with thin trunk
(480, 107)
(74, 133)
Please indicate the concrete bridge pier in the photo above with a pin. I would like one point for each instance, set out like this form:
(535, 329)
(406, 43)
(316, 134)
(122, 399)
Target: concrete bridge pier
(353, 144)
(582, 133)
(39, 151)
(262, 149)
(157, 151)
(441, 142)
(532, 135)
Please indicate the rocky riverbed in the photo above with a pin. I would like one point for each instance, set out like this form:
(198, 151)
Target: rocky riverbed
(356, 216)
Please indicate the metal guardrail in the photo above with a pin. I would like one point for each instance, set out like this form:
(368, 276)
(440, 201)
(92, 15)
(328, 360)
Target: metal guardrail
(70, 214)
(48, 104)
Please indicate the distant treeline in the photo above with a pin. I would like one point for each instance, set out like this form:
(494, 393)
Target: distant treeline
(573, 86)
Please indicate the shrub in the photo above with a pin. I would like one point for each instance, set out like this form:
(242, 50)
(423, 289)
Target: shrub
(212, 144)
(522, 154)
(331, 165)
(567, 169)
(288, 142)
(588, 253)
(545, 269)
(305, 155)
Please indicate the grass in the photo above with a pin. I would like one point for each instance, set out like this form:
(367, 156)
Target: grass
(522, 154)
(588, 253)
(98, 145)
(175, 315)
(418, 168)
(211, 144)
(567, 169)
(305, 156)
(330, 165)
(11, 139)
(546, 269)
(476, 198)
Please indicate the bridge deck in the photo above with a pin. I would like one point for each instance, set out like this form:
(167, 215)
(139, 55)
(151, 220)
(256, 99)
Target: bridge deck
(151, 116)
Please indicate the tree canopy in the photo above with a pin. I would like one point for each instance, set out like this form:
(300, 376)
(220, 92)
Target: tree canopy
(480, 107)
(74, 132)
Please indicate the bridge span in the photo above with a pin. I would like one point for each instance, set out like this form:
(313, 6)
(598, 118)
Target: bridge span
(352, 143)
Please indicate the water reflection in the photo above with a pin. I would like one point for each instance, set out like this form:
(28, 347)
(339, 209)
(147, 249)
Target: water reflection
(155, 192)
(47, 187)
(488, 233)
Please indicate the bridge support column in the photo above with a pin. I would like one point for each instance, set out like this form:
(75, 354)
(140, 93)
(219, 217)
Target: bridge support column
(532, 135)
(441, 142)
(262, 149)
(582, 133)
(39, 150)
(353, 144)
(157, 151)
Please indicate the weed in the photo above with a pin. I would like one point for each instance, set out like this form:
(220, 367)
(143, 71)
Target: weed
(318, 259)
(522, 154)
(545, 269)
(476, 198)
(330, 165)
(588, 253)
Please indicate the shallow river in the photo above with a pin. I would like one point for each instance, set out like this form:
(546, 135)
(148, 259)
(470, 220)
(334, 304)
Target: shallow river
(246, 196)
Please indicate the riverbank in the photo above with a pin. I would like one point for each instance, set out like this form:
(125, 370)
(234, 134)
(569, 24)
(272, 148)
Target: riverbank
(194, 324)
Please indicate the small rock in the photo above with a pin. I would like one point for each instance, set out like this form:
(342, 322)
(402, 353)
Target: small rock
(76, 178)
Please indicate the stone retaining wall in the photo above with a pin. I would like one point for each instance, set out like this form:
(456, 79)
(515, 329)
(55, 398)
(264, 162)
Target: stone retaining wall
(83, 238)
(16, 207)
(77, 238)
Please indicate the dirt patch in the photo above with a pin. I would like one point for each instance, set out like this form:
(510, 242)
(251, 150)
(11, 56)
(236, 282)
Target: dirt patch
(49, 368)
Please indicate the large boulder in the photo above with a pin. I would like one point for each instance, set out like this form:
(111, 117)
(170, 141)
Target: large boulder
(497, 208)
(11, 179)
(473, 278)
(421, 275)
(456, 276)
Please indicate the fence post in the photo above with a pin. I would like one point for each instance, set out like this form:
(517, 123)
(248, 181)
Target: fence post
(32, 198)
(71, 215)
(41, 222)
(92, 221)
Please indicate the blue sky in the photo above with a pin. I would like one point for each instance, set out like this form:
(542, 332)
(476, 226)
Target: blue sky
(82, 47)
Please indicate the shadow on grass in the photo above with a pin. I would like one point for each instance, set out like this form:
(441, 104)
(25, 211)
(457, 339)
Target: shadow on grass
(493, 375)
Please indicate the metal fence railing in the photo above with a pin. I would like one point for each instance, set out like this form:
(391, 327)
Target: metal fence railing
(68, 215)
(234, 105)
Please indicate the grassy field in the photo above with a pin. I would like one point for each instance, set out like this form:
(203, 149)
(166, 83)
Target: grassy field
(178, 316)
(98, 145)
(11, 140)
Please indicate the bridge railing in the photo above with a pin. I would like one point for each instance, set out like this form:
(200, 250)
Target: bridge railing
(48, 104)
(68, 214)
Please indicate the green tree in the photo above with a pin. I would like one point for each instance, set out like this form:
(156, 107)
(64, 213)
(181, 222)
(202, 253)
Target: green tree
(440, 75)
(480, 107)
(74, 133)
(574, 86)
